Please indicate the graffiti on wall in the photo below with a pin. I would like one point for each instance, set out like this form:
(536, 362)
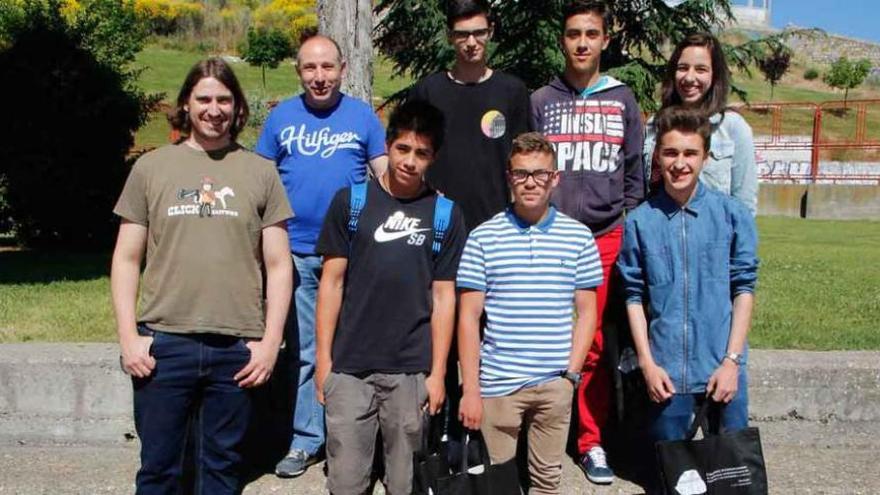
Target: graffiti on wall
(793, 165)
(785, 165)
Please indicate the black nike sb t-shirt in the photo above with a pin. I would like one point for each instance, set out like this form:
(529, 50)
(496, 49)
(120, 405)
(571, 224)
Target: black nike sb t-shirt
(385, 321)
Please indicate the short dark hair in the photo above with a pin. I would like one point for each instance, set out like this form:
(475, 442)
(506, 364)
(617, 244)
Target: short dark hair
(218, 69)
(460, 9)
(577, 7)
(715, 100)
(419, 117)
(531, 142)
(689, 120)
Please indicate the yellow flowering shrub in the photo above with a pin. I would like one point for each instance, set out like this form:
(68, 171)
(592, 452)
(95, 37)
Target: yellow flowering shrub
(69, 9)
(169, 16)
(293, 17)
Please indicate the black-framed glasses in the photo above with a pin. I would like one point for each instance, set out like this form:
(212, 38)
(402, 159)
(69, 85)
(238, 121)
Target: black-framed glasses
(481, 34)
(541, 176)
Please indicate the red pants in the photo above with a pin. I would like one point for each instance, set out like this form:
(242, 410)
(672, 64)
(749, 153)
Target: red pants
(594, 392)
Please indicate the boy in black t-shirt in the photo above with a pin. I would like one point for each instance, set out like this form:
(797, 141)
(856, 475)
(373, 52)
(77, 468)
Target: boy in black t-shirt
(484, 110)
(386, 305)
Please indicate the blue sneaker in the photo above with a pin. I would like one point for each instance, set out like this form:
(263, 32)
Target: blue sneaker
(294, 464)
(595, 465)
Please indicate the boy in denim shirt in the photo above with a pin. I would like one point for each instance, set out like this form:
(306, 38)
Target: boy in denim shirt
(689, 261)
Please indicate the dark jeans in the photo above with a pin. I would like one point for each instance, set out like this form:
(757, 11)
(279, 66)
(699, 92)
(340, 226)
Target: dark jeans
(672, 419)
(192, 378)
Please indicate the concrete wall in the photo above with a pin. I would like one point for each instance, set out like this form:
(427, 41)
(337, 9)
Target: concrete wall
(781, 199)
(840, 202)
(77, 393)
(825, 201)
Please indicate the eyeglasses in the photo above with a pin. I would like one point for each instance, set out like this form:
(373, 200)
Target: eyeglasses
(541, 176)
(462, 35)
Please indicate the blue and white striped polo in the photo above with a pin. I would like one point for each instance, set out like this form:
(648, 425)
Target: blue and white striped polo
(529, 274)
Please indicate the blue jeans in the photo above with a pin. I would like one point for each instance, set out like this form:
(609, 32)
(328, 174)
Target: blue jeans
(308, 413)
(192, 378)
(672, 419)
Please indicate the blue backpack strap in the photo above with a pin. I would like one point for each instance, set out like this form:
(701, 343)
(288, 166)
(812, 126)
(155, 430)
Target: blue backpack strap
(442, 216)
(356, 205)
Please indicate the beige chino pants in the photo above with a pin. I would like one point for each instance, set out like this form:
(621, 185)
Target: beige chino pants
(546, 410)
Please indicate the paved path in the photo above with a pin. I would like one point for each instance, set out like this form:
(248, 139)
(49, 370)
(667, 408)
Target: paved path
(803, 457)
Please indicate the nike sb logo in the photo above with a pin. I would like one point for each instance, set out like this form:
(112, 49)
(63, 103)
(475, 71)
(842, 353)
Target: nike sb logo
(398, 226)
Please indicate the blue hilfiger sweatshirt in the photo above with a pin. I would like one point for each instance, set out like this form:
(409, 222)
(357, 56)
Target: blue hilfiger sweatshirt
(598, 135)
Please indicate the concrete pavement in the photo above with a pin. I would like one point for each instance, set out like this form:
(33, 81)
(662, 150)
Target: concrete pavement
(65, 424)
(803, 457)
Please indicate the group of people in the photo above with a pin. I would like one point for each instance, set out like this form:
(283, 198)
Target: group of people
(482, 215)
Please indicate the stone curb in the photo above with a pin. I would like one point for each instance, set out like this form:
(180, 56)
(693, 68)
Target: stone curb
(77, 393)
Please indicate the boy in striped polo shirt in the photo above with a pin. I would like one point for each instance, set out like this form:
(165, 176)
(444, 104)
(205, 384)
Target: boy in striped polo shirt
(524, 267)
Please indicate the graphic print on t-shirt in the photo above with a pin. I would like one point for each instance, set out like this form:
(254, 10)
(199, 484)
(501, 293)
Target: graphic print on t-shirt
(318, 141)
(493, 124)
(203, 200)
(587, 134)
(399, 226)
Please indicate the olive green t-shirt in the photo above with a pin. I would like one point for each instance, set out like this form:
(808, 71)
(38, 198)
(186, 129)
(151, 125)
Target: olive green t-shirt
(204, 213)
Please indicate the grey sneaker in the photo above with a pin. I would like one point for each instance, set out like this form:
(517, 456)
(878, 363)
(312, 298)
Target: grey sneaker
(294, 464)
(595, 466)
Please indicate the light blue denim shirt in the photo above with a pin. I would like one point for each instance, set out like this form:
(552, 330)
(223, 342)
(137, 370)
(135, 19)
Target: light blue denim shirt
(731, 167)
(687, 264)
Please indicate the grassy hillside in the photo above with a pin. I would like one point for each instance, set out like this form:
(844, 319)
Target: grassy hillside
(164, 70)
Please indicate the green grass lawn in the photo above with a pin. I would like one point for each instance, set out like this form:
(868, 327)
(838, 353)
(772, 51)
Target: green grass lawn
(819, 285)
(819, 289)
(165, 69)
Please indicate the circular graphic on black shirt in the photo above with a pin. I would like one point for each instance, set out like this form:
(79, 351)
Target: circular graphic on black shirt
(493, 124)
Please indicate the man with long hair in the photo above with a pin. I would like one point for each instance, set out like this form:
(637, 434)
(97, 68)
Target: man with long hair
(204, 336)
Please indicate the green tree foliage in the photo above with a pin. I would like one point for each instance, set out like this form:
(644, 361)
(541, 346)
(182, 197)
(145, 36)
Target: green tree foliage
(266, 48)
(847, 74)
(811, 74)
(413, 34)
(71, 112)
(774, 65)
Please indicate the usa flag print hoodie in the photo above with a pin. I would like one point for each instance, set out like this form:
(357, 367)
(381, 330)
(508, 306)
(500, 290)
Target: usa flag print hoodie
(598, 135)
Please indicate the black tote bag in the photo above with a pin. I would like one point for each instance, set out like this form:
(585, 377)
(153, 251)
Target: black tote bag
(431, 462)
(482, 479)
(718, 464)
(433, 476)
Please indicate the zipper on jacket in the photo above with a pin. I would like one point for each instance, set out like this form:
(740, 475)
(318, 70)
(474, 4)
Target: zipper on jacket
(685, 321)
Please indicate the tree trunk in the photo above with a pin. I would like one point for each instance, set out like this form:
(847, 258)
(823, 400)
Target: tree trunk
(350, 23)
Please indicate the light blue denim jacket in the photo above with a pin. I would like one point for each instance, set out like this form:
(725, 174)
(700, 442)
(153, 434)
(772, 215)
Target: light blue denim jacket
(687, 264)
(731, 167)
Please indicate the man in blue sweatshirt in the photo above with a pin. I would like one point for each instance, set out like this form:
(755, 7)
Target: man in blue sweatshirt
(596, 126)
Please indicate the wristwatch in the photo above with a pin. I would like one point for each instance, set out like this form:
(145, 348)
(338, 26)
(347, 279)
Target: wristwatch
(572, 376)
(735, 357)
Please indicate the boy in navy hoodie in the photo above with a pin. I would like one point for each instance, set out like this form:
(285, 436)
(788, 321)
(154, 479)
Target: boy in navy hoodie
(595, 124)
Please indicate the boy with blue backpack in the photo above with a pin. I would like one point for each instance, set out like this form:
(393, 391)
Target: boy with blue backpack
(386, 306)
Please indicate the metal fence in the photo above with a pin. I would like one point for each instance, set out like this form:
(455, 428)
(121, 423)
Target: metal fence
(806, 142)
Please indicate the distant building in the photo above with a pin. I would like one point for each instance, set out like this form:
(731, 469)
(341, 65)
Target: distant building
(751, 14)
